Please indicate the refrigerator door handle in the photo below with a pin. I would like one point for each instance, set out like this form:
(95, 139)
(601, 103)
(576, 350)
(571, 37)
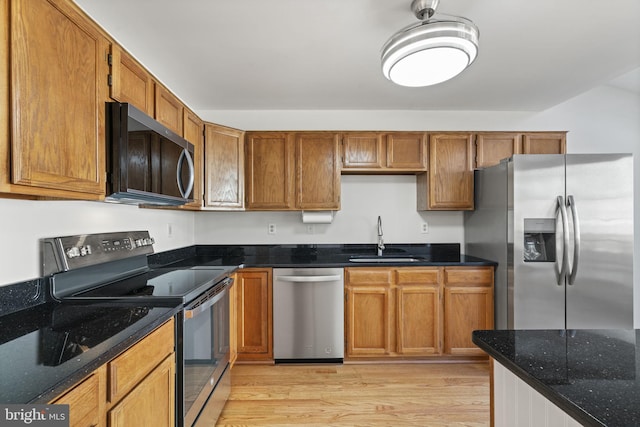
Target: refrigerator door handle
(565, 240)
(576, 239)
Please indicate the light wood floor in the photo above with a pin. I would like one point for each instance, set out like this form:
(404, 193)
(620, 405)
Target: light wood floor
(398, 395)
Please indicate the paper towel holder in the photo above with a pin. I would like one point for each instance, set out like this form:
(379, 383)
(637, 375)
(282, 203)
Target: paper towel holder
(317, 217)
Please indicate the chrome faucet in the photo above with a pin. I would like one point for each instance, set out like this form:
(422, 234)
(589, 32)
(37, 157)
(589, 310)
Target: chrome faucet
(380, 240)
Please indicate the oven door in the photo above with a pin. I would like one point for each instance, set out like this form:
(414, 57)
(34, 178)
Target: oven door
(205, 348)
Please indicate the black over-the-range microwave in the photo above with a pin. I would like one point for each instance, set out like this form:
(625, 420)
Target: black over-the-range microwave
(146, 162)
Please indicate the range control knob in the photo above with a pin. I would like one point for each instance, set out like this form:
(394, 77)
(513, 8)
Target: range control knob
(73, 252)
(85, 250)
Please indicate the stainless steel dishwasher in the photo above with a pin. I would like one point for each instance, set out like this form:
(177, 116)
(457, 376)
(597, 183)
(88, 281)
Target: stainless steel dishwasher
(308, 314)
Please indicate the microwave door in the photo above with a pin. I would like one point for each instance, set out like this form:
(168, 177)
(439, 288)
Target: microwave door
(174, 170)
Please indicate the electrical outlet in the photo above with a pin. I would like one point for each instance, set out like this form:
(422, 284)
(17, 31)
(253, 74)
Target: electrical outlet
(424, 228)
(310, 229)
(169, 229)
(272, 229)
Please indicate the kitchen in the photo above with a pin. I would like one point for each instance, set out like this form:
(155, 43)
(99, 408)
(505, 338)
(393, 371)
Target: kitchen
(363, 197)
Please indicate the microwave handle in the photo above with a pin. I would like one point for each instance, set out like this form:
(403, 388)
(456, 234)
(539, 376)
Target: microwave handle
(185, 193)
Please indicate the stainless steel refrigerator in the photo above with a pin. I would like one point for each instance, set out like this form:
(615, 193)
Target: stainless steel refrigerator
(561, 229)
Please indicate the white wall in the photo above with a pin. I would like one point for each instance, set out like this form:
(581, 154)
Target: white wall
(364, 197)
(24, 222)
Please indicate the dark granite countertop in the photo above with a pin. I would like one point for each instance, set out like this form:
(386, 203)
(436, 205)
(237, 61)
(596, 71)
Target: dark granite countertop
(321, 255)
(47, 348)
(593, 375)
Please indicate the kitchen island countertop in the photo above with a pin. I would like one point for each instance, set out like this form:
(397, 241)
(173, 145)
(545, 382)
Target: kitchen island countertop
(593, 375)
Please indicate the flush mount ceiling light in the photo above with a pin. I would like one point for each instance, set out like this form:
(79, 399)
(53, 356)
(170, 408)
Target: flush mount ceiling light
(431, 51)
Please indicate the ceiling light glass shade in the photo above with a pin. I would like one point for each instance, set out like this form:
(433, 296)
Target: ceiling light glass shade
(430, 52)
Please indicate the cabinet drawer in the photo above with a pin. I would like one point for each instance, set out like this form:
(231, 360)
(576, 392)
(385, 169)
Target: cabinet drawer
(418, 276)
(126, 370)
(84, 401)
(368, 276)
(469, 276)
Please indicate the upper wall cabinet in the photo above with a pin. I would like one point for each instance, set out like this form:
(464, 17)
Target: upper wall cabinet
(169, 110)
(544, 143)
(194, 133)
(317, 171)
(292, 171)
(223, 168)
(384, 152)
(448, 185)
(53, 85)
(130, 82)
(491, 147)
(269, 171)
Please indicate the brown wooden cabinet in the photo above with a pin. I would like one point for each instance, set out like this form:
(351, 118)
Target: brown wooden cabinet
(369, 312)
(292, 171)
(52, 133)
(491, 147)
(317, 171)
(468, 306)
(135, 388)
(193, 131)
(406, 151)
(130, 82)
(168, 109)
(419, 312)
(384, 152)
(223, 168)
(416, 312)
(448, 185)
(152, 402)
(544, 143)
(86, 400)
(269, 171)
(362, 151)
(254, 317)
(392, 312)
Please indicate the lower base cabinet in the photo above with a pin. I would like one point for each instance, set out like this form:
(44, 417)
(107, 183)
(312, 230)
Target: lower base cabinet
(416, 312)
(137, 388)
(254, 318)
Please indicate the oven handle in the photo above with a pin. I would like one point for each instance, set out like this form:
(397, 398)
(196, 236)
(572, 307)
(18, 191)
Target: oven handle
(206, 301)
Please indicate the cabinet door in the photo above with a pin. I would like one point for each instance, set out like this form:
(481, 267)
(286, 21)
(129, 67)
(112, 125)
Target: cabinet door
(194, 133)
(168, 109)
(419, 314)
(544, 143)
(468, 306)
(450, 175)
(369, 312)
(269, 171)
(58, 79)
(362, 150)
(491, 147)
(254, 301)
(224, 167)
(86, 401)
(406, 150)
(151, 402)
(317, 171)
(128, 369)
(130, 82)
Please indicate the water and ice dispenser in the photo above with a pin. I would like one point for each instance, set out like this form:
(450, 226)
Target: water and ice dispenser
(539, 240)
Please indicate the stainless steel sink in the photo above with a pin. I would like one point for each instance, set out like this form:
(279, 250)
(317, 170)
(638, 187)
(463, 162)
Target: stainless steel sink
(395, 260)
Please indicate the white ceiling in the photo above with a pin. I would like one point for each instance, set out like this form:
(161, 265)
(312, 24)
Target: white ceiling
(325, 54)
